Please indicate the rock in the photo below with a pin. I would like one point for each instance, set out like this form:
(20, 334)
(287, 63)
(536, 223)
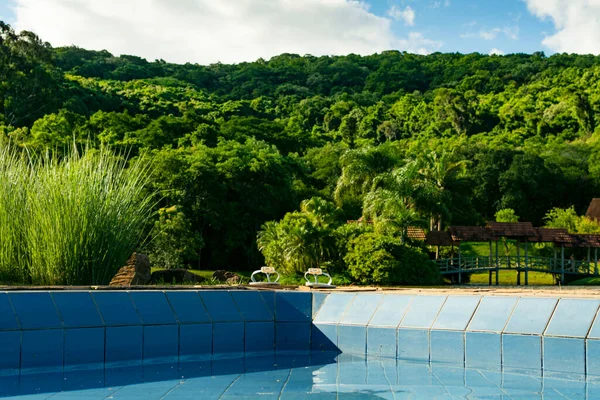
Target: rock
(219, 275)
(178, 276)
(234, 280)
(135, 272)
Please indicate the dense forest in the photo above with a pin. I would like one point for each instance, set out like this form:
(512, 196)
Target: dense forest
(270, 159)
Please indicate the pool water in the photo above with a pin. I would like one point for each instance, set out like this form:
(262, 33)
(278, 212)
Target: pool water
(293, 376)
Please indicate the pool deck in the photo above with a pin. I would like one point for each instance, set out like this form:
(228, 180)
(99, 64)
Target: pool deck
(534, 291)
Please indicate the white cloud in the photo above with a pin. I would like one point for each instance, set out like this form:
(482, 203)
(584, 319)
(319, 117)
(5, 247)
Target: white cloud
(496, 51)
(207, 31)
(407, 15)
(511, 32)
(439, 3)
(577, 23)
(417, 43)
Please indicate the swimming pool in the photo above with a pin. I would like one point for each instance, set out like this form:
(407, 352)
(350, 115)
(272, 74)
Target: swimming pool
(287, 344)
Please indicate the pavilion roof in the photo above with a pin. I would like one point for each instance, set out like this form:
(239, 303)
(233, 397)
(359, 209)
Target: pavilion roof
(440, 238)
(512, 229)
(550, 235)
(584, 240)
(471, 234)
(593, 211)
(415, 233)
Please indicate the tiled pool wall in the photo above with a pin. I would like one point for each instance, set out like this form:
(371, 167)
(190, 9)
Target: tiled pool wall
(42, 332)
(553, 335)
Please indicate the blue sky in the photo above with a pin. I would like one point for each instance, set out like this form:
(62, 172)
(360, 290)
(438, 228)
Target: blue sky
(207, 31)
(474, 25)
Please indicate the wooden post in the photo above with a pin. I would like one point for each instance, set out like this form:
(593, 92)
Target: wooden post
(518, 264)
(588, 260)
(562, 264)
(526, 264)
(490, 278)
(555, 258)
(518, 255)
(497, 265)
(459, 266)
(596, 261)
(491, 258)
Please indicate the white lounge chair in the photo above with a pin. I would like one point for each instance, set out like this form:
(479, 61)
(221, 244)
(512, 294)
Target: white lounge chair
(316, 272)
(268, 271)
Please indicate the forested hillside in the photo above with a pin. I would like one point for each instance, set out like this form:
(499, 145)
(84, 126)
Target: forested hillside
(401, 139)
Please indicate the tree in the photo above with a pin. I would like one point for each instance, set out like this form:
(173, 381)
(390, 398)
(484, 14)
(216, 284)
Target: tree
(302, 239)
(383, 260)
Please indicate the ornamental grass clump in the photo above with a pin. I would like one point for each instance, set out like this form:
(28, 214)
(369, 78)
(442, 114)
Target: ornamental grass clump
(73, 220)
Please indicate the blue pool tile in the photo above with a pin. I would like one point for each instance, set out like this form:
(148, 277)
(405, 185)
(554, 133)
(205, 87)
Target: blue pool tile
(570, 389)
(35, 310)
(153, 308)
(564, 355)
(531, 315)
(592, 349)
(260, 337)
(352, 339)
(483, 349)
(188, 307)
(116, 308)
(456, 313)
(381, 342)
(412, 373)
(124, 346)
(324, 337)
(318, 300)
(293, 306)
(252, 306)
(334, 307)
(8, 319)
(422, 311)
(413, 344)
(362, 308)
(195, 342)
(391, 310)
(161, 344)
(84, 348)
(42, 351)
(77, 309)
(447, 346)
(228, 339)
(492, 314)
(269, 298)
(522, 352)
(9, 385)
(220, 306)
(10, 352)
(292, 336)
(573, 318)
(595, 330)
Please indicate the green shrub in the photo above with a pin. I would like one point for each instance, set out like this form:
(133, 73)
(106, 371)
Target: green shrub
(383, 260)
(72, 221)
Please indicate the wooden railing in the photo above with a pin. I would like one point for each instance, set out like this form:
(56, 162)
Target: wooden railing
(542, 264)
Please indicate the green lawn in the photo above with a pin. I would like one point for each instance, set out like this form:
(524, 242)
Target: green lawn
(591, 281)
(483, 249)
(509, 278)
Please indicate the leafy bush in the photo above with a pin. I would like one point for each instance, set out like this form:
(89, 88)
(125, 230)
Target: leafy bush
(383, 260)
(70, 221)
(174, 245)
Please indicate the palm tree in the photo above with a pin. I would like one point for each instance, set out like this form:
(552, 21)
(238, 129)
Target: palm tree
(390, 203)
(359, 169)
(438, 179)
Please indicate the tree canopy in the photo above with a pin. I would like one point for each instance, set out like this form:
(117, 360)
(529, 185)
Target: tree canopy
(396, 138)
